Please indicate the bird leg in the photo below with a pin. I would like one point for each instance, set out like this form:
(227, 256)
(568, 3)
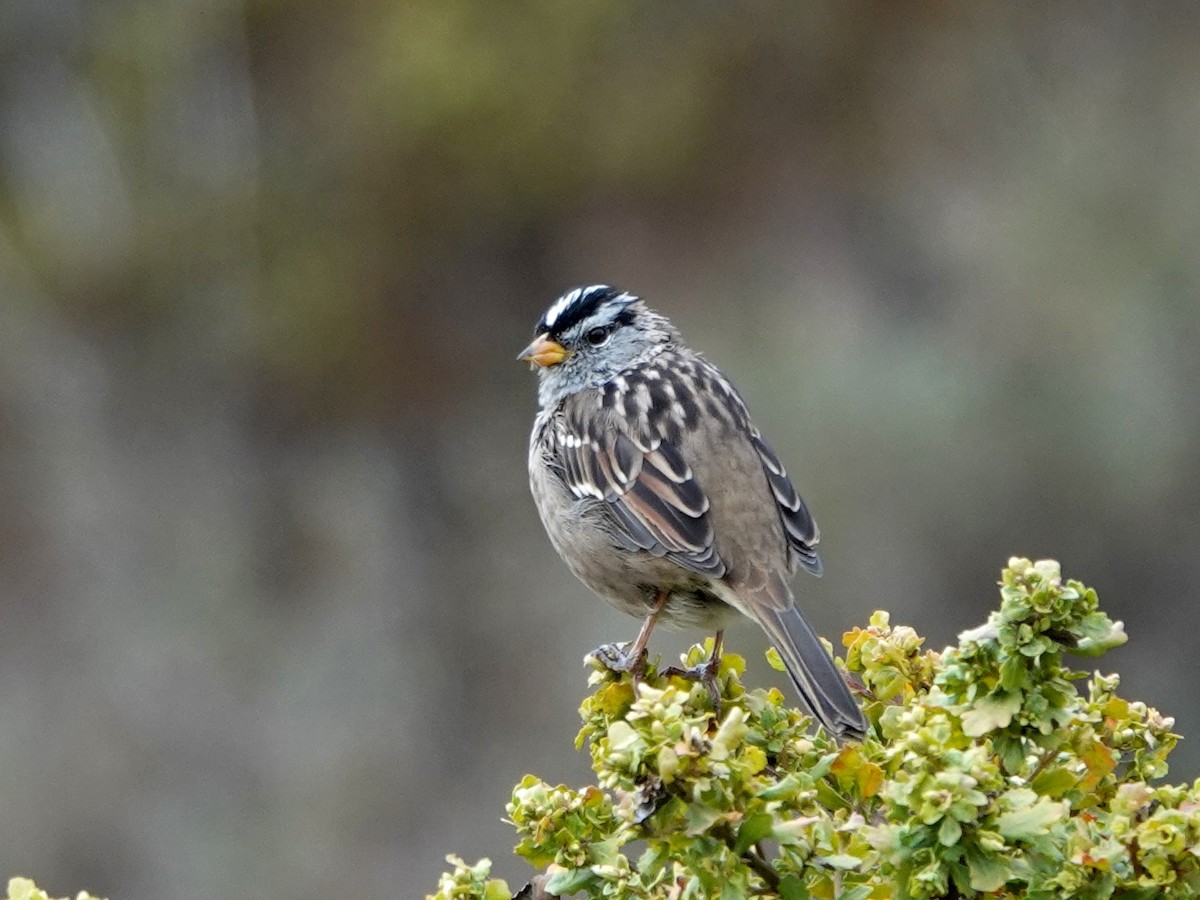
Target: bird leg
(706, 673)
(617, 659)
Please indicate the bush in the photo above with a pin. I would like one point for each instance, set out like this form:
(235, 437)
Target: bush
(24, 889)
(988, 773)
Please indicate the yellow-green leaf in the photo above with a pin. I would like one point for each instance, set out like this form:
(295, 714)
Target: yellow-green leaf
(1055, 781)
(990, 713)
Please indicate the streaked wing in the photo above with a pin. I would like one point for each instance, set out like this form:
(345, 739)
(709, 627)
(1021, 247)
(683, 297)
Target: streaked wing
(799, 527)
(798, 523)
(655, 501)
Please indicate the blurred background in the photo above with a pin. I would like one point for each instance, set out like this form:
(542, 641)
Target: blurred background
(276, 612)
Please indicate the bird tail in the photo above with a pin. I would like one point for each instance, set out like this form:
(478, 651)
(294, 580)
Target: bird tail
(821, 685)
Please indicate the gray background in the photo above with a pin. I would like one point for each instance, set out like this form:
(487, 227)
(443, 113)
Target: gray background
(276, 613)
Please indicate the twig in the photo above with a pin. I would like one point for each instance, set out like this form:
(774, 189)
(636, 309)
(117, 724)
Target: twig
(762, 868)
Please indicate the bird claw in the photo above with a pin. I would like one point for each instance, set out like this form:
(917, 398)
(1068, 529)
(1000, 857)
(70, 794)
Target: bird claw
(616, 658)
(705, 673)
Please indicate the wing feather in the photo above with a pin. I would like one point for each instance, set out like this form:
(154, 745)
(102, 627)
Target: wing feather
(656, 503)
(798, 524)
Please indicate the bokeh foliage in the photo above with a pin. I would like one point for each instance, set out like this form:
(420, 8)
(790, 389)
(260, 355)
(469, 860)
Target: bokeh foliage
(264, 265)
(987, 773)
(26, 889)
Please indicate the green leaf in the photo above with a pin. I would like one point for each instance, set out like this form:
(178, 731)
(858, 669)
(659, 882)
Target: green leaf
(791, 887)
(1100, 761)
(613, 698)
(774, 660)
(700, 818)
(949, 832)
(786, 787)
(23, 889)
(844, 861)
(753, 830)
(1029, 822)
(822, 766)
(1054, 782)
(568, 881)
(656, 853)
(1095, 645)
(853, 770)
(988, 873)
(829, 797)
(621, 736)
(1012, 752)
(990, 713)
(1013, 673)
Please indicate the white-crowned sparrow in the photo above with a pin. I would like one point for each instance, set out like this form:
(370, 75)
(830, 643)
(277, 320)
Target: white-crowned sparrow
(660, 494)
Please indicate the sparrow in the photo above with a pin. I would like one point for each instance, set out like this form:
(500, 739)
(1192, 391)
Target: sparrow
(661, 495)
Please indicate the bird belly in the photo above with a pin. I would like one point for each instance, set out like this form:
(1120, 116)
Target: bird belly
(628, 580)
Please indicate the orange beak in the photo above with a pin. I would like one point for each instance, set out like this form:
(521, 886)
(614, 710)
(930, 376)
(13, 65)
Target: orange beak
(544, 351)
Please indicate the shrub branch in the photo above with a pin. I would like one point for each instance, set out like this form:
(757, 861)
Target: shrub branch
(987, 772)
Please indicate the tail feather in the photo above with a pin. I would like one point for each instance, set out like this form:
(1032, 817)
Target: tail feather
(821, 685)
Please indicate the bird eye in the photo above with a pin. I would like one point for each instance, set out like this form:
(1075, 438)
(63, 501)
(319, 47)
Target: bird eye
(597, 337)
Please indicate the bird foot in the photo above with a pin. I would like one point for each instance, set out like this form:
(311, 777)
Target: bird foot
(617, 658)
(705, 673)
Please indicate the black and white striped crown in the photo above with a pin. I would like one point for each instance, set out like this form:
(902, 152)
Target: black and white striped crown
(578, 305)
